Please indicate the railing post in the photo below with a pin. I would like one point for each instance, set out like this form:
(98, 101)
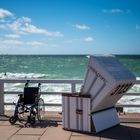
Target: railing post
(73, 87)
(1, 97)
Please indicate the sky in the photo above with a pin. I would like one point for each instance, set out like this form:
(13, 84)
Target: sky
(69, 26)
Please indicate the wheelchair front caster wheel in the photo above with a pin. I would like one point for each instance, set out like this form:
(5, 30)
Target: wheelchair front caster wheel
(31, 119)
(13, 119)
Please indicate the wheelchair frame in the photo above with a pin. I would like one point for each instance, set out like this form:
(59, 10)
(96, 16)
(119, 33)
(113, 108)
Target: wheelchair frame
(35, 109)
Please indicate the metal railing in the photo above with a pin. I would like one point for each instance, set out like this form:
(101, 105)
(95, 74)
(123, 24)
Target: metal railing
(3, 92)
(72, 83)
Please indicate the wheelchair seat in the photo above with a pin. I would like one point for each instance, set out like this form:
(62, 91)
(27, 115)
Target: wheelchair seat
(30, 94)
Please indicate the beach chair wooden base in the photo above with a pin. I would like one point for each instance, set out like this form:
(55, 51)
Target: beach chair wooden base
(77, 116)
(76, 112)
(104, 119)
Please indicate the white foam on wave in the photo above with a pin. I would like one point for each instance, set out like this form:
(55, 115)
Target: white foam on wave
(134, 100)
(9, 75)
(138, 78)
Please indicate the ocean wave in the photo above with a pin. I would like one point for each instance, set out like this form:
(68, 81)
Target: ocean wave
(9, 75)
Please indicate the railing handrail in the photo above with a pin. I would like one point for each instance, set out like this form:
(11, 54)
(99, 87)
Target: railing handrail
(41, 81)
(78, 81)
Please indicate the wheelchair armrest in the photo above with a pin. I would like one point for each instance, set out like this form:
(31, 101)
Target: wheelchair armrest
(21, 98)
(20, 94)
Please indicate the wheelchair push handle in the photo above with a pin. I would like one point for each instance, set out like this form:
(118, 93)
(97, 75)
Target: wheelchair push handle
(27, 83)
(39, 85)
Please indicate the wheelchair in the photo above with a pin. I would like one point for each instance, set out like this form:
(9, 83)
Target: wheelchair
(31, 103)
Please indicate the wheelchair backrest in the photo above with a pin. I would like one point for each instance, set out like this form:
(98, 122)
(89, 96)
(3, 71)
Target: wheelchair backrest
(30, 94)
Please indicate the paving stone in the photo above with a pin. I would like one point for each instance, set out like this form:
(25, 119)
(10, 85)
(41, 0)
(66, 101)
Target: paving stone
(24, 137)
(7, 131)
(84, 138)
(4, 123)
(77, 134)
(56, 133)
(31, 131)
(85, 134)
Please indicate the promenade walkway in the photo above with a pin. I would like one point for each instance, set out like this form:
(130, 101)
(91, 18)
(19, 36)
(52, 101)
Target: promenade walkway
(129, 129)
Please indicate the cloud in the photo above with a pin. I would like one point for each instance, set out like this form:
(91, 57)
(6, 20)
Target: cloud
(138, 27)
(5, 13)
(32, 29)
(113, 11)
(88, 39)
(24, 19)
(36, 43)
(12, 36)
(23, 25)
(7, 47)
(81, 26)
(11, 42)
(14, 42)
(29, 28)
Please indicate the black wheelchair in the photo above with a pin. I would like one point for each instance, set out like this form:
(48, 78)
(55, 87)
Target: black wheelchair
(31, 103)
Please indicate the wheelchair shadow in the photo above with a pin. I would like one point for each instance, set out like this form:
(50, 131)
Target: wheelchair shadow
(38, 124)
(47, 123)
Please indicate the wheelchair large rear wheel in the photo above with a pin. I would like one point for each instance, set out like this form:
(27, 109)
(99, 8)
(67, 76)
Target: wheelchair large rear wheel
(40, 110)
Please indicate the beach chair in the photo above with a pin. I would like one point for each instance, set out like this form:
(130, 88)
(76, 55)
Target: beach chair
(106, 81)
(31, 103)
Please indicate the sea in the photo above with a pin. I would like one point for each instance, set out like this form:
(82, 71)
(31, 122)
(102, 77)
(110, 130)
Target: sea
(58, 67)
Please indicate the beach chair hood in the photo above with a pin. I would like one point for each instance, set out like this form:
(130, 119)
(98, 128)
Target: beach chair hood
(106, 80)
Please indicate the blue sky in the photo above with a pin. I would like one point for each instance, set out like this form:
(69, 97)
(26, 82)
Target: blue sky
(69, 26)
